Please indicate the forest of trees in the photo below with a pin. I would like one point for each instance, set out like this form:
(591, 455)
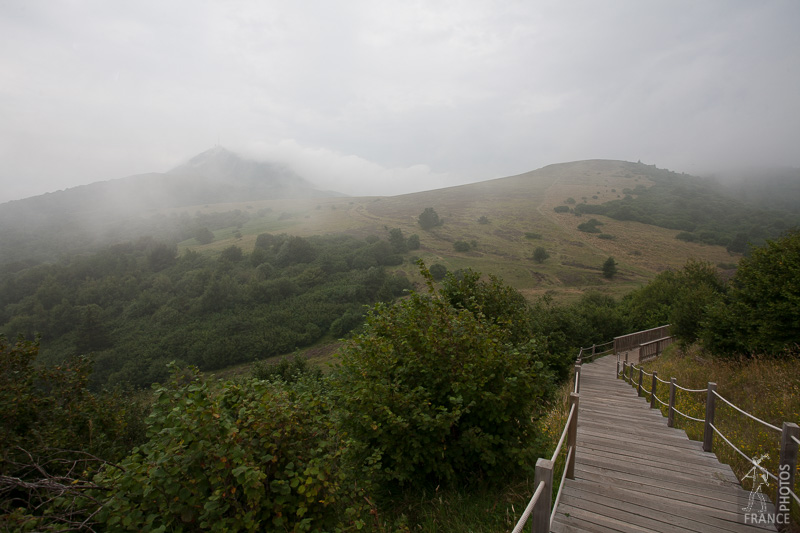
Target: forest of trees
(135, 307)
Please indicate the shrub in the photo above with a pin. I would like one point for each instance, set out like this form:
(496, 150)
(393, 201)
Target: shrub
(461, 246)
(439, 393)
(429, 219)
(249, 456)
(590, 226)
(540, 254)
(561, 209)
(438, 271)
(609, 268)
(483, 220)
(413, 242)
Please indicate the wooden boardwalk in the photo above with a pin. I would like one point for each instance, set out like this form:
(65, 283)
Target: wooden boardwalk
(635, 474)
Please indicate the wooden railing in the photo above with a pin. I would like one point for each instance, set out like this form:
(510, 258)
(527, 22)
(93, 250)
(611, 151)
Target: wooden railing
(631, 341)
(789, 432)
(542, 509)
(648, 350)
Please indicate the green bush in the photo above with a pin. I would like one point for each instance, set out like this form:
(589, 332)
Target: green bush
(440, 394)
(461, 246)
(561, 209)
(540, 254)
(248, 456)
(761, 312)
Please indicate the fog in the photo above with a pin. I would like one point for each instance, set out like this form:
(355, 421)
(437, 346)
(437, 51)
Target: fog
(374, 97)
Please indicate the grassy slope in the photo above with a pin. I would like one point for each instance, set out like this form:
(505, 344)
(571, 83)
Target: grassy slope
(514, 206)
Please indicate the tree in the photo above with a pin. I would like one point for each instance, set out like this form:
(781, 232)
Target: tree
(439, 393)
(429, 219)
(232, 253)
(398, 241)
(761, 313)
(540, 254)
(609, 268)
(413, 242)
(438, 271)
(461, 246)
(204, 235)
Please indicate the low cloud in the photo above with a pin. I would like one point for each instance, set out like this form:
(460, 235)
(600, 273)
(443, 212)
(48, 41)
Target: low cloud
(347, 173)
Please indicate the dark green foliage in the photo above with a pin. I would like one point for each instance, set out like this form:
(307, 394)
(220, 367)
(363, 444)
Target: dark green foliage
(680, 298)
(590, 226)
(413, 242)
(761, 312)
(570, 201)
(429, 219)
(540, 254)
(609, 268)
(54, 435)
(438, 271)
(439, 393)
(204, 235)
(561, 209)
(700, 209)
(483, 220)
(232, 253)
(398, 241)
(199, 310)
(461, 246)
(249, 456)
(161, 256)
(288, 370)
(606, 236)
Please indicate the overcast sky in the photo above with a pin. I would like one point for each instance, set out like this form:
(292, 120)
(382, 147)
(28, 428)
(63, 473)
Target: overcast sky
(375, 97)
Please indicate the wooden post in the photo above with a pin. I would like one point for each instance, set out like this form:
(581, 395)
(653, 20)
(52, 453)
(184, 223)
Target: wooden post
(671, 411)
(708, 433)
(630, 376)
(540, 519)
(572, 434)
(653, 390)
(624, 370)
(593, 347)
(786, 469)
(617, 376)
(641, 374)
(577, 387)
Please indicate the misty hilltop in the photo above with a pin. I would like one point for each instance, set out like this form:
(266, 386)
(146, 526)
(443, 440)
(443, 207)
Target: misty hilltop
(108, 211)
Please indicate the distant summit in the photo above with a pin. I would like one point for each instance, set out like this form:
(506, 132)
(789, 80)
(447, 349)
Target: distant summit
(88, 212)
(245, 179)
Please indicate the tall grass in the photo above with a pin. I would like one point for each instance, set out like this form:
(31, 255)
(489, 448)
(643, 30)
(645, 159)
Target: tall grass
(767, 388)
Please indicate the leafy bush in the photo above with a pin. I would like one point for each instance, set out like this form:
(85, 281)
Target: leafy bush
(606, 237)
(287, 370)
(249, 456)
(439, 393)
(483, 220)
(590, 226)
(429, 219)
(461, 246)
(761, 312)
(540, 254)
(609, 268)
(438, 271)
(561, 209)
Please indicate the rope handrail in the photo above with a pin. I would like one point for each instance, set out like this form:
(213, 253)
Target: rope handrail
(691, 390)
(748, 414)
(794, 496)
(646, 373)
(529, 509)
(662, 381)
(560, 487)
(687, 416)
(563, 434)
(645, 390)
(732, 445)
(659, 401)
(795, 440)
